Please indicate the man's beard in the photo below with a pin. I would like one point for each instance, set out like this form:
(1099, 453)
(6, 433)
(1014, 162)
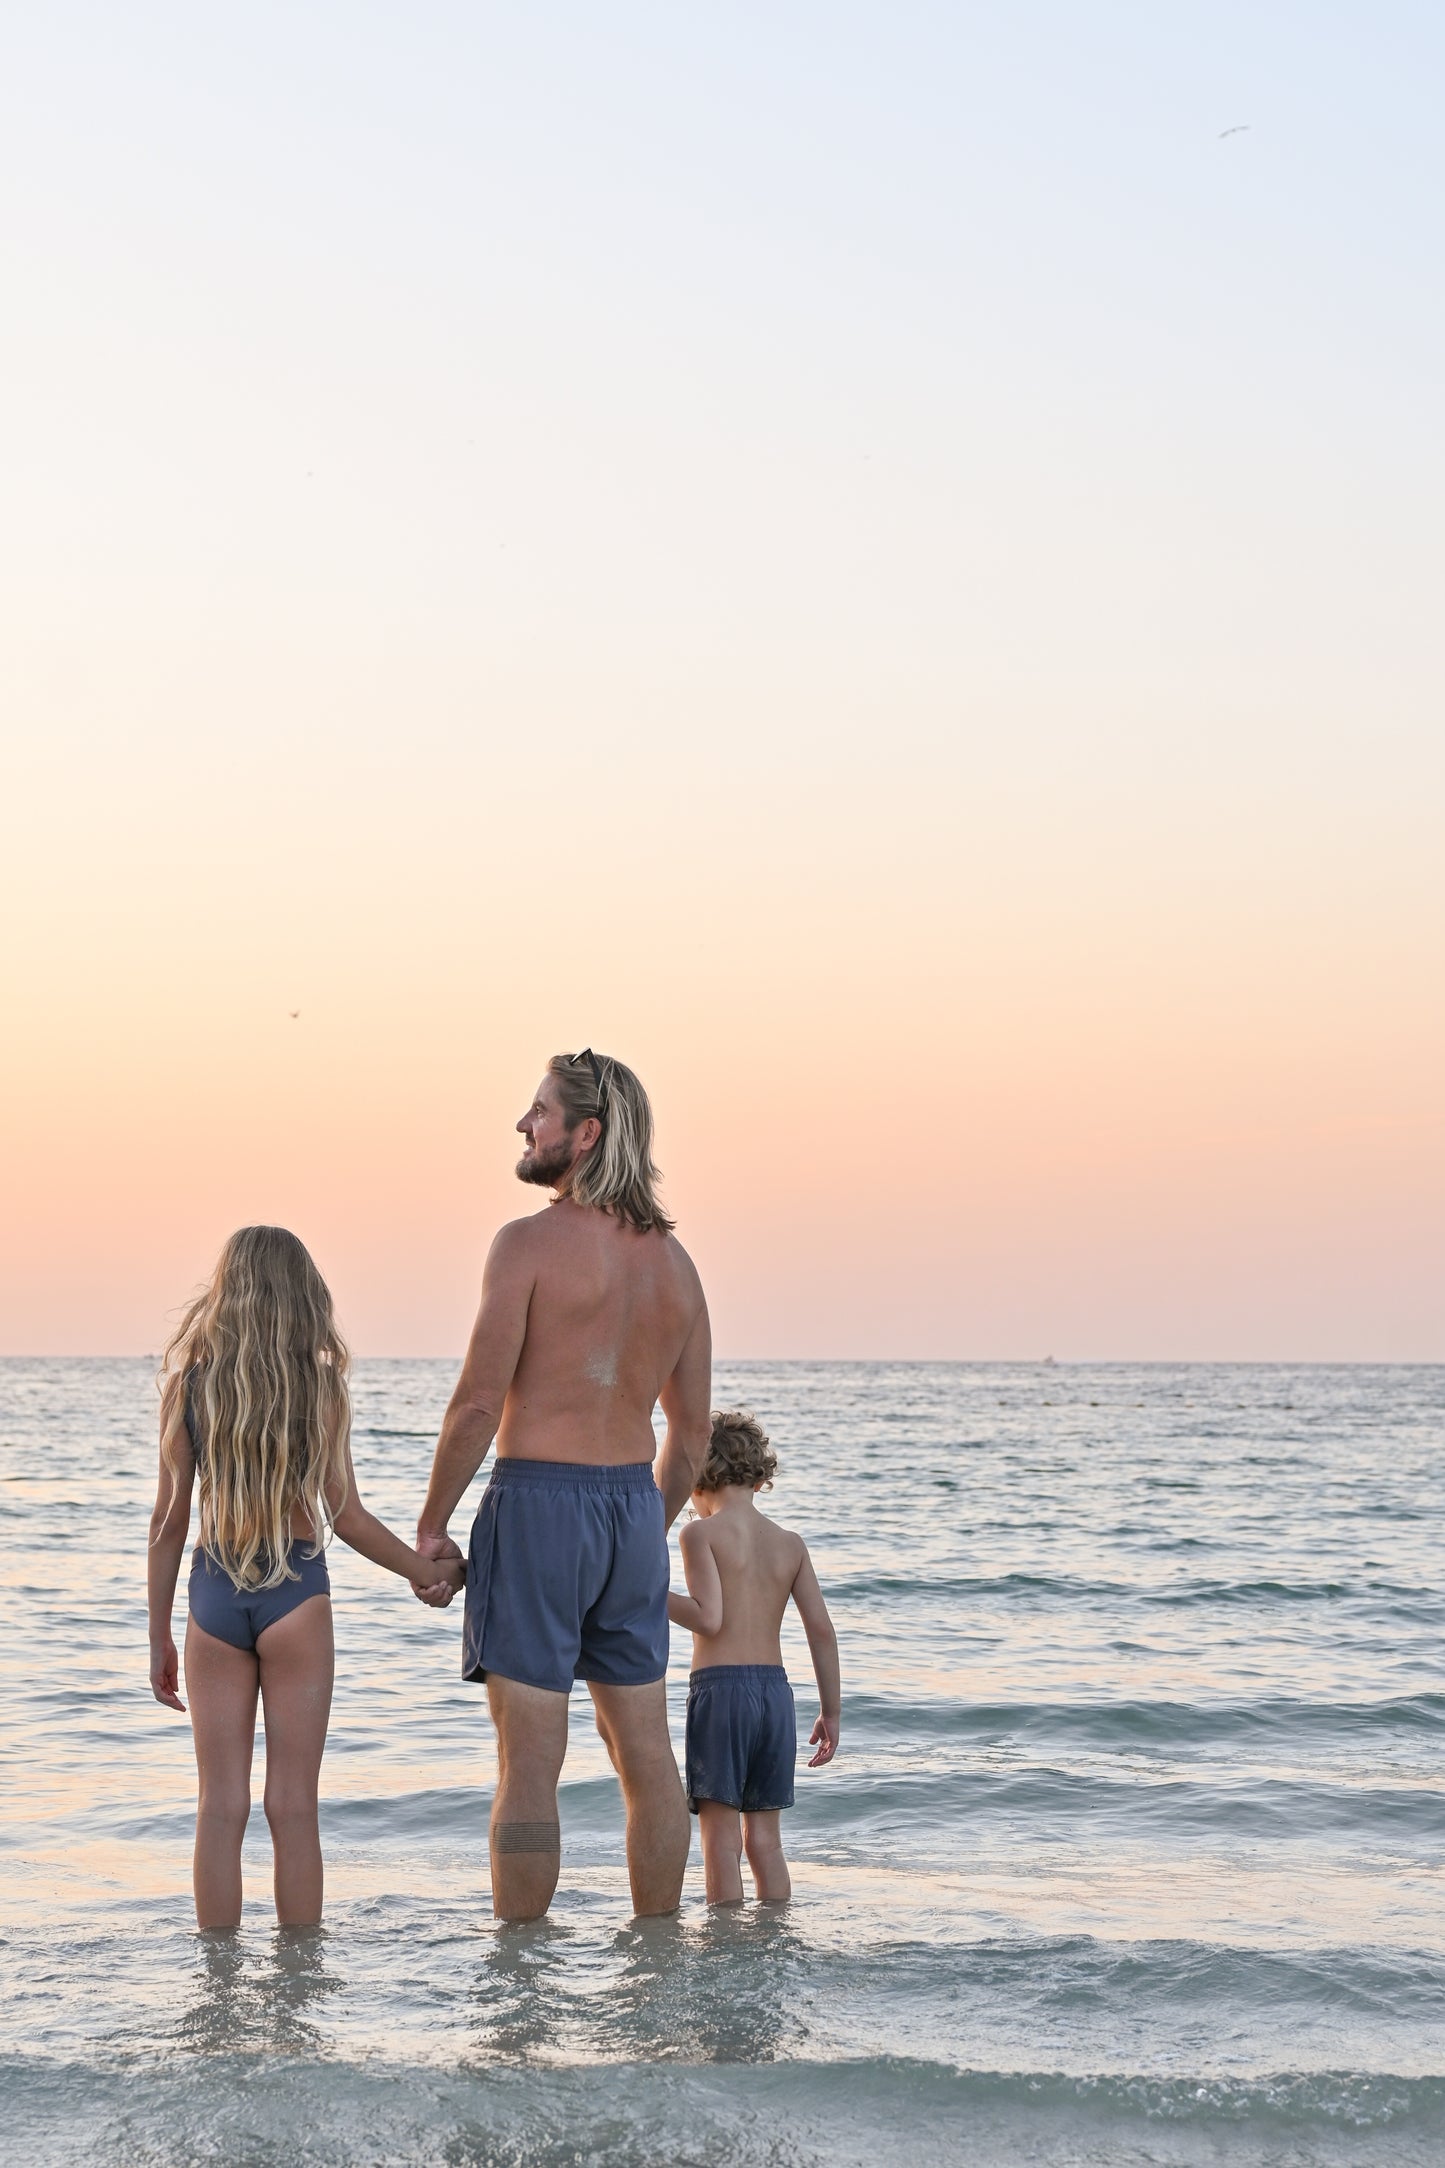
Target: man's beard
(547, 1169)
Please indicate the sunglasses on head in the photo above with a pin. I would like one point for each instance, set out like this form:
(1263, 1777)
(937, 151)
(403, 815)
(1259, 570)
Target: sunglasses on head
(587, 1055)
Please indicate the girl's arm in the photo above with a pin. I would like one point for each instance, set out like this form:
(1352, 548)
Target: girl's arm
(823, 1647)
(170, 1525)
(365, 1533)
(701, 1608)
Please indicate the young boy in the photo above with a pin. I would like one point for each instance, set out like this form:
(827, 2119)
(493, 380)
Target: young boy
(742, 1739)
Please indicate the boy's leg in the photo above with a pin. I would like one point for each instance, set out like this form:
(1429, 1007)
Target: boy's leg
(722, 1851)
(633, 1724)
(298, 1665)
(525, 1835)
(221, 1689)
(763, 1837)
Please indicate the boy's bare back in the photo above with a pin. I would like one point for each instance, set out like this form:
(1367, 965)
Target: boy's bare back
(758, 1566)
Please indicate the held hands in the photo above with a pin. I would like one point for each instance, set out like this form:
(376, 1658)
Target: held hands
(824, 1736)
(165, 1674)
(449, 1573)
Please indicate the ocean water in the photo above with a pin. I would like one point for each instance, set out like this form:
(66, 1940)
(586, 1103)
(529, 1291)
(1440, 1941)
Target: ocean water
(1133, 1853)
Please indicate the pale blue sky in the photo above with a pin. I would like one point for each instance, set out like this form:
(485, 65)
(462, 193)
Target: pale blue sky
(900, 469)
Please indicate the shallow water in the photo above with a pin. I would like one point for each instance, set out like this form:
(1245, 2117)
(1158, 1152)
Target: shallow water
(1133, 1852)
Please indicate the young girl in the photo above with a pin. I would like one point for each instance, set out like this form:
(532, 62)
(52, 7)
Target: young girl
(254, 1400)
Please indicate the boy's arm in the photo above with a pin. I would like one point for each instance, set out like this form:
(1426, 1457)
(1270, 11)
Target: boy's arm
(823, 1647)
(701, 1608)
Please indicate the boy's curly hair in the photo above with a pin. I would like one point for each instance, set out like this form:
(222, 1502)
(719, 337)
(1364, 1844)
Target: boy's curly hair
(738, 1452)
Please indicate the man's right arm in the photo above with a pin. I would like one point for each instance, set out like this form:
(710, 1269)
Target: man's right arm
(475, 1408)
(686, 1401)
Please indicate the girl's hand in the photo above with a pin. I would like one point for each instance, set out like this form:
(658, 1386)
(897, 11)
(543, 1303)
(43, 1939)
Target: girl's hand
(824, 1736)
(166, 1674)
(439, 1580)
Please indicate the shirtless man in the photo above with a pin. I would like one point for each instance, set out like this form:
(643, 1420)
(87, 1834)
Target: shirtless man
(591, 1313)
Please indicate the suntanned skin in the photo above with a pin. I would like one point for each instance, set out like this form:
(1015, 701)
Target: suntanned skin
(291, 1669)
(584, 1326)
(741, 1570)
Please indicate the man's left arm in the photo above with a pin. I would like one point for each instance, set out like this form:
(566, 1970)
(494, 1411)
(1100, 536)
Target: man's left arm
(475, 1408)
(686, 1401)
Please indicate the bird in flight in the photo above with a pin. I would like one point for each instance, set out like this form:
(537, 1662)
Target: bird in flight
(1241, 128)
(293, 1014)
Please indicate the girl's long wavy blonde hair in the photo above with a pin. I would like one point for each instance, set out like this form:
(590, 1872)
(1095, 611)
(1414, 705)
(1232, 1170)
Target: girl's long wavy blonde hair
(258, 1365)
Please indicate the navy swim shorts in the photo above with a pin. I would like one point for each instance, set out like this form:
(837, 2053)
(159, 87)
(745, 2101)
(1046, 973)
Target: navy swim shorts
(742, 1737)
(567, 1576)
(241, 1615)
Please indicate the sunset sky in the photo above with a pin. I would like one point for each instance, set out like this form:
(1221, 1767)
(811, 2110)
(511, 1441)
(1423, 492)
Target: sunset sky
(867, 559)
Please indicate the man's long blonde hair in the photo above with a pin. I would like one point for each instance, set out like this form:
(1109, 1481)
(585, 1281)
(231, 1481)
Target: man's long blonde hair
(618, 1174)
(258, 1366)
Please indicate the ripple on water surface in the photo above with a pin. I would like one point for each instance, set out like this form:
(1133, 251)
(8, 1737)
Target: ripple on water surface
(1132, 1852)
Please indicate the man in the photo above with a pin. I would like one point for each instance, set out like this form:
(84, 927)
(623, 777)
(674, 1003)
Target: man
(591, 1313)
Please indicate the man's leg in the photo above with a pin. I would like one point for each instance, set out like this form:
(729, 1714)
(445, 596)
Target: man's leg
(633, 1724)
(721, 1832)
(526, 1838)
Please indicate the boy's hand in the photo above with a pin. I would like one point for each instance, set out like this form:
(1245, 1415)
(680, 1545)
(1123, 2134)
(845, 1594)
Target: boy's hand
(165, 1674)
(824, 1736)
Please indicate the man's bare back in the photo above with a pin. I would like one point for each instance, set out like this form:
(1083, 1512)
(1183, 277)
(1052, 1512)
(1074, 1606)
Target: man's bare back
(609, 1314)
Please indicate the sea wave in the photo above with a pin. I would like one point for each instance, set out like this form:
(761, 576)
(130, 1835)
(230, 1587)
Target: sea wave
(1176, 1590)
(1103, 1723)
(959, 1803)
(256, 2109)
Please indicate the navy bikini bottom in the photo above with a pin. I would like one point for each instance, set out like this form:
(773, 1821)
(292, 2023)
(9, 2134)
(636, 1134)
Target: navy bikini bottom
(241, 1615)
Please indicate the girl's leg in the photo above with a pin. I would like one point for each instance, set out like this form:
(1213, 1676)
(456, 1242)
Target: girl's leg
(297, 1667)
(722, 1852)
(221, 1689)
(763, 1836)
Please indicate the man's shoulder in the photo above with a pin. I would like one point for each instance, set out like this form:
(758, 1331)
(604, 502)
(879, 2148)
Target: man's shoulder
(515, 1238)
(682, 1264)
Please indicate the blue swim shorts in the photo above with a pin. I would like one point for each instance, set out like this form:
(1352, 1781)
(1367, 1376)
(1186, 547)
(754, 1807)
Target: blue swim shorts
(742, 1737)
(567, 1576)
(241, 1615)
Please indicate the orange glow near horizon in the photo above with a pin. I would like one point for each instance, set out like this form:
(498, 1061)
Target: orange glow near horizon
(930, 658)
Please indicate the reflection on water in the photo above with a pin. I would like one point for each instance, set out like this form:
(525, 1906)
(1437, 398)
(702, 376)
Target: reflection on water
(728, 1989)
(266, 2000)
(520, 1999)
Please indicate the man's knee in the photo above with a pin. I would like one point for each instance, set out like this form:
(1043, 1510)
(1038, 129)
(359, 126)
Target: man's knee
(531, 1725)
(634, 1729)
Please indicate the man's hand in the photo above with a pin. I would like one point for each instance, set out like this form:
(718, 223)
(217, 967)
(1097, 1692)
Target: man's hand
(165, 1674)
(439, 1593)
(824, 1736)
